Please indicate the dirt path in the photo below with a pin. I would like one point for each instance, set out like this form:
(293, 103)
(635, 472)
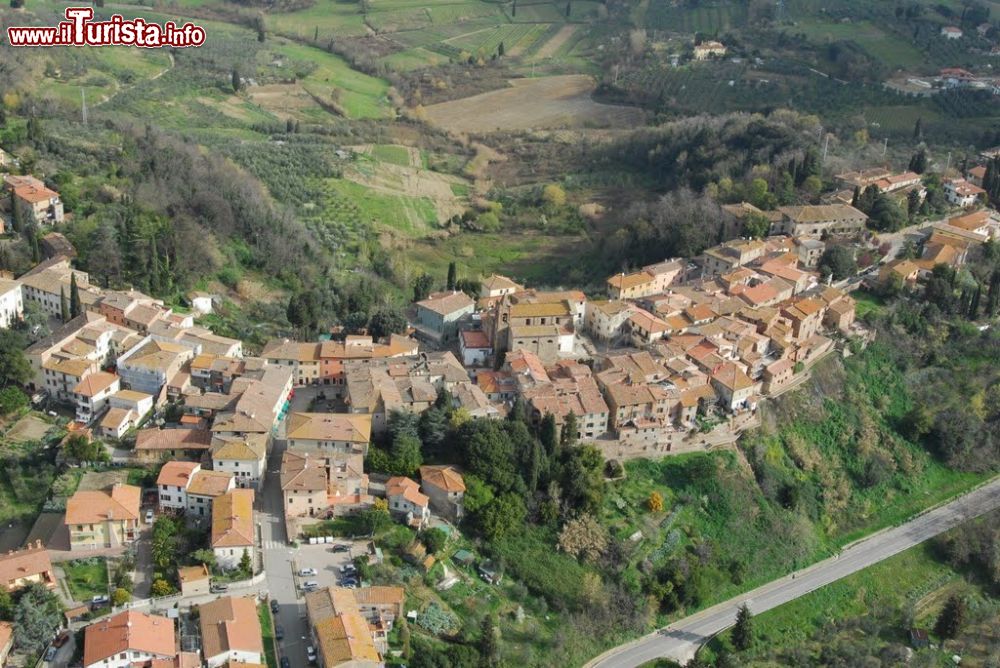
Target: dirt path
(551, 47)
(119, 89)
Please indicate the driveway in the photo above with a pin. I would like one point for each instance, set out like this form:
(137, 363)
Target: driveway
(143, 579)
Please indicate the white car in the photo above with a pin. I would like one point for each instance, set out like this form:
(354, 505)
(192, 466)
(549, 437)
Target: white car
(311, 654)
(310, 585)
(304, 572)
(149, 516)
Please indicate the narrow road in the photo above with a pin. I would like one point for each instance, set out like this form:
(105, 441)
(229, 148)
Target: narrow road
(680, 640)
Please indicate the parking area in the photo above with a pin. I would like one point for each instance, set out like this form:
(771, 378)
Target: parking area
(325, 560)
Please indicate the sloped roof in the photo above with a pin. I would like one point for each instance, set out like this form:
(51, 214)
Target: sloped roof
(232, 519)
(128, 631)
(230, 624)
(120, 502)
(443, 477)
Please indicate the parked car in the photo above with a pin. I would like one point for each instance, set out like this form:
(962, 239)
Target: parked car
(149, 516)
(340, 547)
(311, 654)
(51, 652)
(218, 587)
(274, 606)
(285, 663)
(303, 572)
(99, 600)
(310, 585)
(61, 638)
(279, 632)
(348, 568)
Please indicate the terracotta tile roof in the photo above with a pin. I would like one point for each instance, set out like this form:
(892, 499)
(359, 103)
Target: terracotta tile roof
(408, 489)
(173, 439)
(94, 383)
(128, 631)
(380, 595)
(248, 448)
(442, 477)
(19, 564)
(818, 213)
(349, 427)
(629, 281)
(193, 573)
(301, 473)
(291, 350)
(232, 519)
(446, 303)
(34, 194)
(178, 474)
(971, 221)
(230, 625)
(732, 377)
(114, 418)
(475, 338)
(539, 309)
(120, 502)
(498, 282)
(210, 483)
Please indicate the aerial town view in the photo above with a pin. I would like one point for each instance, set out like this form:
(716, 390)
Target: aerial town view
(499, 333)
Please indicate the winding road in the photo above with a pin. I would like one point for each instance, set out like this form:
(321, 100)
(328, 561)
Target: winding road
(680, 640)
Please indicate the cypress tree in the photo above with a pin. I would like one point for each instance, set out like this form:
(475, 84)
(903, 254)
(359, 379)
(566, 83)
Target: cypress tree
(452, 274)
(75, 308)
(63, 305)
(974, 305)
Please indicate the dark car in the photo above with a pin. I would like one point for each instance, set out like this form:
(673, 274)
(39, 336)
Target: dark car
(51, 652)
(340, 547)
(285, 663)
(279, 632)
(61, 639)
(274, 606)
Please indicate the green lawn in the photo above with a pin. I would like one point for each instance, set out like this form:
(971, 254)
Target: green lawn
(391, 153)
(883, 46)
(867, 302)
(86, 578)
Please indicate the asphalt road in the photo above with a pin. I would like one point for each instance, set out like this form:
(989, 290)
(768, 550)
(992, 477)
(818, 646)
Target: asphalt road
(680, 640)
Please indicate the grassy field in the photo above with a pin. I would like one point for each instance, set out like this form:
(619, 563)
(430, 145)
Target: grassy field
(911, 584)
(86, 578)
(885, 46)
(360, 95)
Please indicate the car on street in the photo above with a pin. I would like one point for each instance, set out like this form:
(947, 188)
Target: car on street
(274, 606)
(303, 572)
(51, 652)
(149, 516)
(311, 654)
(99, 600)
(279, 632)
(61, 638)
(310, 585)
(285, 663)
(218, 587)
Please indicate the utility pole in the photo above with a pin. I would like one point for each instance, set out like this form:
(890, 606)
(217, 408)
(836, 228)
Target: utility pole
(826, 146)
(83, 98)
(948, 166)
(885, 146)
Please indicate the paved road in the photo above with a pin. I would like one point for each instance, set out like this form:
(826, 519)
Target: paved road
(680, 640)
(278, 558)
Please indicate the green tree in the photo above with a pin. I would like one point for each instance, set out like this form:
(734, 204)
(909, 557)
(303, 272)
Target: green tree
(434, 539)
(913, 203)
(952, 618)
(37, 616)
(477, 494)
(120, 597)
(570, 431)
(203, 556)
(385, 321)
(63, 305)
(236, 80)
(376, 518)
(742, 633)
(839, 262)
(756, 226)
(161, 587)
(502, 516)
(12, 399)
(75, 307)
(489, 453)
(548, 434)
(15, 369)
(422, 287)
(405, 454)
(452, 275)
(918, 162)
(489, 642)
(918, 129)
(246, 564)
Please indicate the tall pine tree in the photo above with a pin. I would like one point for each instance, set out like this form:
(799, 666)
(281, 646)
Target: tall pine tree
(742, 634)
